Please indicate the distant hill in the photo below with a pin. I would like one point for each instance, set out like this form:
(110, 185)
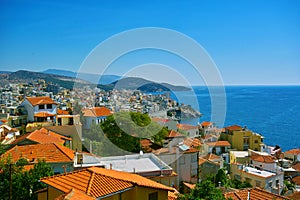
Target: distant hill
(93, 78)
(146, 85)
(62, 80)
(26, 76)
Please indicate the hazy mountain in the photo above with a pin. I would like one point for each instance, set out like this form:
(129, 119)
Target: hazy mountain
(93, 78)
(133, 83)
(145, 85)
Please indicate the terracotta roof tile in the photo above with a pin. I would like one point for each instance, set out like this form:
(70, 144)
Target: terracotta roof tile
(174, 134)
(51, 153)
(172, 195)
(255, 194)
(211, 156)
(98, 182)
(189, 185)
(263, 158)
(96, 112)
(219, 144)
(296, 180)
(206, 124)
(293, 152)
(295, 196)
(43, 136)
(43, 114)
(296, 166)
(74, 194)
(162, 120)
(40, 100)
(234, 128)
(186, 127)
(62, 112)
(192, 142)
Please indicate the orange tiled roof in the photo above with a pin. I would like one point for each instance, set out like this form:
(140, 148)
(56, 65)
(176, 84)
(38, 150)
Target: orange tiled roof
(296, 166)
(189, 185)
(206, 123)
(157, 119)
(294, 196)
(43, 136)
(186, 126)
(97, 182)
(296, 180)
(51, 153)
(43, 114)
(192, 142)
(74, 194)
(174, 134)
(293, 152)
(172, 195)
(62, 112)
(262, 158)
(211, 156)
(40, 100)
(255, 194)
(234, 128)
(219, 143)
(96, 112)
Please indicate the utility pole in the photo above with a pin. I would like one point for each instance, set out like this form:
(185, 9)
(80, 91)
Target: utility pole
(10, 181)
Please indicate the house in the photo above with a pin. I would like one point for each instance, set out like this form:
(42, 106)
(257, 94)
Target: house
(40, 109)
(95, 115)
(241, 157)
(100, 183)
(209, 138)
(253, 194)
(209, 164)
(62, 120)
(209, 128)
(190, 130)
(70, 131)
(15, 116)
(265, 162)
(183, 160)
(147, 165)
(60, 158)
(219, 148)
(42, 136)
(8, 134)
(242, 139)
(270, 181)
(293, 155)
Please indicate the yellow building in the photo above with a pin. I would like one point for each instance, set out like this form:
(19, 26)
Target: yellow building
(242, 139)
(100, 183)
(241, 157)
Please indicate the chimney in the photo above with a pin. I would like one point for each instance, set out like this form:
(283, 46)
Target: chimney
(278, 188)
(248, 197)
(110, 166)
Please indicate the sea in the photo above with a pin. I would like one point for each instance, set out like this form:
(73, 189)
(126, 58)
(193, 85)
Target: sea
(272, 111)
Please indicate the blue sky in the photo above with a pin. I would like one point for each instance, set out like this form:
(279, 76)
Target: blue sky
(251, 42)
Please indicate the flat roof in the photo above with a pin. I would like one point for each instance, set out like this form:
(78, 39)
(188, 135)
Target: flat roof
(240, 153)
(257, 172)
(135, 163)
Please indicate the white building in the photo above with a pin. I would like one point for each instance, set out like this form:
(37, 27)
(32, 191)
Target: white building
(40, 109)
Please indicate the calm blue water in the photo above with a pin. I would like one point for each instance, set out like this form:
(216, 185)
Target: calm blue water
(273, 111)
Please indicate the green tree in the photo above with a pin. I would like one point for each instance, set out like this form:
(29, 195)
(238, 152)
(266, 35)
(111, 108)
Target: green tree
(221, 178)
(204, 190)
(24, 183)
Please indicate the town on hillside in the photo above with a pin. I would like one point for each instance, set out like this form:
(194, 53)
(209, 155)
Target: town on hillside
(88, 143)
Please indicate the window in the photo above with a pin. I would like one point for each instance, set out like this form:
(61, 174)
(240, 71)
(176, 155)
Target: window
(256, 141)
(270, 184)
(257, 183)
(49, 106)
(248, 180)
(41, 107)
(153, 196)
(277, 183)
(246, 140)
